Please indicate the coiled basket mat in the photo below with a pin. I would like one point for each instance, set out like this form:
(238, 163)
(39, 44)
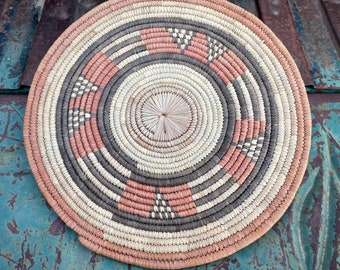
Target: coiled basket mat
(168, 134)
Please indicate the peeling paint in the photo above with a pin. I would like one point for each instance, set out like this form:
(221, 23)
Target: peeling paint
(11, 202)
(13, 227)
(58, 257)
(57, 227)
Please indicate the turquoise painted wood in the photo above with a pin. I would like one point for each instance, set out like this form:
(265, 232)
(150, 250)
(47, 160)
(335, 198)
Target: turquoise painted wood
(306, 237)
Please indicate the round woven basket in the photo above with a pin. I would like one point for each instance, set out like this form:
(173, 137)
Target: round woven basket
(168, 134)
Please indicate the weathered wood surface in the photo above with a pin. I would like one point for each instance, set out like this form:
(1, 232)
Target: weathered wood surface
(277, 16)
(317, 38)
(57, 16)
(18, 22)
(249, 5)
(332, 8)
(308, 28)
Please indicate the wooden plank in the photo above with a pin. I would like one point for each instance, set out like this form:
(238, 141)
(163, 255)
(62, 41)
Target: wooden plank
(332, 8)
(57, 16)
(277, 15)
(318, 42)
(18, 22)
(249, 5)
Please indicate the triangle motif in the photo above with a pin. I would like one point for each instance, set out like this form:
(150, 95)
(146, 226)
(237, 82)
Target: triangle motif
(251, 147)
(215, 49)
(161, 208)
(181, 37)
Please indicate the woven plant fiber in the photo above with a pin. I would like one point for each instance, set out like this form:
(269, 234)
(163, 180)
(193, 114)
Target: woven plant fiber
(168, 134)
